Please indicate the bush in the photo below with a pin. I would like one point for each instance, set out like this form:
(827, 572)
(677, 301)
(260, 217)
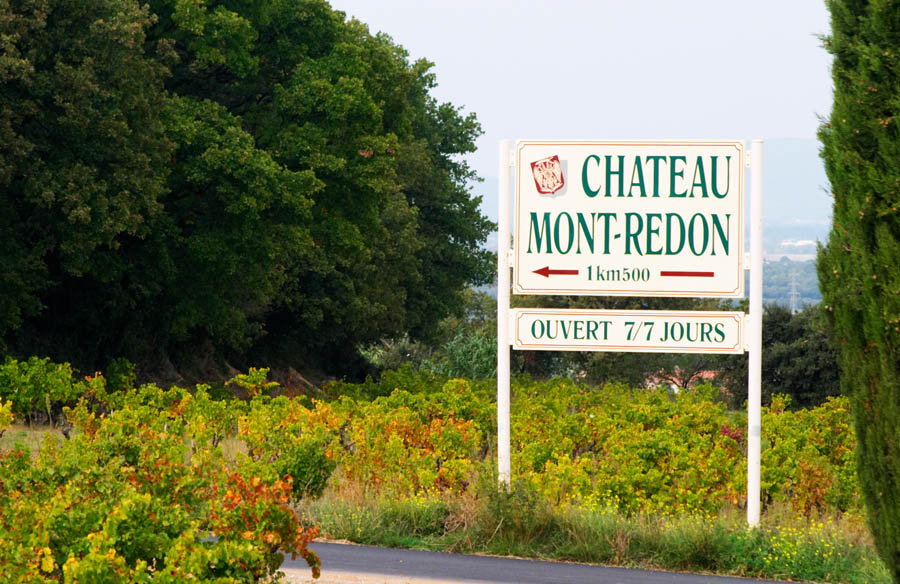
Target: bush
(308, 466)
(519, 514)
(120, 375)
(471, 355)
(390, 354)
(35, 385)
(131, 498)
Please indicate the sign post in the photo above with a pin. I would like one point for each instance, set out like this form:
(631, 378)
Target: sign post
(503, 455)
(754, 373)
(630, 218)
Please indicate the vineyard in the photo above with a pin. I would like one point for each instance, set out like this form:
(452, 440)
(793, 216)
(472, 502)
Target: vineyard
(153, 485)
(634, 450)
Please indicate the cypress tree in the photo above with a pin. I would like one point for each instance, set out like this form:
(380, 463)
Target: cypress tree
(859, 268)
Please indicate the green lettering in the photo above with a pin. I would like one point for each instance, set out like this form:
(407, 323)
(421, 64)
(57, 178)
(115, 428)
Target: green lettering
(681, 234)
(673, 172)
(699, 179)
(584, 177)
(705, 330)
(712, 177)
(538, 232)
(570, 229)
(610, 172)
(639, 171)
(554, 335)
(588, 232)
(689, 327)
(632, 236)
(722, 233)
(692, 235)
(606, 217)
(656, 160)
(651, 231)
(720, 332)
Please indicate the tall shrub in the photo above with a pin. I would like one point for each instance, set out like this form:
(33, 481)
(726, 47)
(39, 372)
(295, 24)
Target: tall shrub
(859, 268)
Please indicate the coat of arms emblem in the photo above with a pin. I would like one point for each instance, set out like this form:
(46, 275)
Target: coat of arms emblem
(548, 175)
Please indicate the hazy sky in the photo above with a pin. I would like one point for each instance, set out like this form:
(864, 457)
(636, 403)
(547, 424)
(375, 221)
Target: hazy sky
(686, 69)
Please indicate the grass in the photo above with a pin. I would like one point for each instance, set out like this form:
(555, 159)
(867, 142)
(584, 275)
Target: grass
(520, 524)
(30, 437)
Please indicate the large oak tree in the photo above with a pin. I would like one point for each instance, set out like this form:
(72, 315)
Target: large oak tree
(242, 179)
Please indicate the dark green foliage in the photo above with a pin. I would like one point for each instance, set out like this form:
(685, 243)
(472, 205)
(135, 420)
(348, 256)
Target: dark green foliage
(184, 183)
(472, 355)
(468, 344)
(859, 271)
(120, 375)
(83, 151)
(309, 468)
(414, 381)
(797, 360)
(464, 345)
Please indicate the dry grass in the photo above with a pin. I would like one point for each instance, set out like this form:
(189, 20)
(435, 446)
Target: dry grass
(825, 549)
(31, 437)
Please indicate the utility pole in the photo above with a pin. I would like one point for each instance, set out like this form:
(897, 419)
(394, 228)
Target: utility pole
(794, 292)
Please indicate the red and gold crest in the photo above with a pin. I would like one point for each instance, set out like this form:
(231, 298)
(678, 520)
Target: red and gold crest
(548, 175)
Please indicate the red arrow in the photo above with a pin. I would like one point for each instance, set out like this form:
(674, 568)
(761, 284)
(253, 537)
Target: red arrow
(547, 272)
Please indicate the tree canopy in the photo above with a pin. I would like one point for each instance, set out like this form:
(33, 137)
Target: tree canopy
(797, 360)
(858, 268)
(192, 182)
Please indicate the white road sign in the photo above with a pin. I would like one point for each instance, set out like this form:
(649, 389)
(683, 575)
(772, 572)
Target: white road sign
(629, 218)
(645, 331)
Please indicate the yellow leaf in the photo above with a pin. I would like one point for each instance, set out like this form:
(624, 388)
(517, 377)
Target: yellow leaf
(47, 561)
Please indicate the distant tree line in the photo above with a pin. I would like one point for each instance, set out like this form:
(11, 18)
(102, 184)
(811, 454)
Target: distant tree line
(189, 184)
(785, 278)
(797, 359)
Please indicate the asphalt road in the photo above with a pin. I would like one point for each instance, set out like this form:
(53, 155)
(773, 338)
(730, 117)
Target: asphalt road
(357, 564)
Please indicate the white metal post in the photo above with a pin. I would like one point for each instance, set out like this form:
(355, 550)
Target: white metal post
(754, 384)
(503, 457)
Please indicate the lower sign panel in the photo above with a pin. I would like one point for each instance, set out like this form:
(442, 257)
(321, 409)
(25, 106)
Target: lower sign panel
(641, 331)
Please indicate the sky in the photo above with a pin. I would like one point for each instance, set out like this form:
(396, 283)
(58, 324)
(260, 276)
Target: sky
(605, 69)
